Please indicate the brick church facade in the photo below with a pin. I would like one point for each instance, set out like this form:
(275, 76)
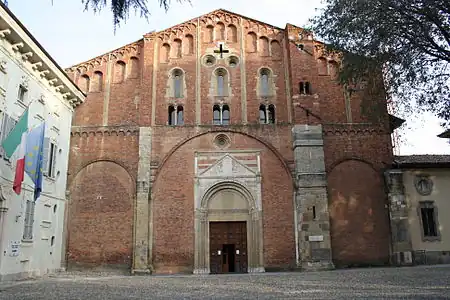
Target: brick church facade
(224, 144)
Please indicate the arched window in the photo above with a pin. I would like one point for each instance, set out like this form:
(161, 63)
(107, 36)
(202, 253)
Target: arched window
(171, 115)
(265, 89)
(271, 114)
(225, 115)
(221, 82)
(216, 115)
(262, 114)
(119, 71)
(84, 83)
(232, 34)
(164, 55)
(177, 83)
(209, 34)
(220, 33)
(97, 82)
(251, 42)
(264, 46)
(180, 115)
(221, 115)
(134, 67)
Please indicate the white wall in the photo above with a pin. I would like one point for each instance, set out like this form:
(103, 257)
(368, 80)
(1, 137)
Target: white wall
(34, 257)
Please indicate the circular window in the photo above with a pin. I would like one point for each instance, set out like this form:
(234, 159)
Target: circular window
(233, 61)
(222, 140)
(209, 60)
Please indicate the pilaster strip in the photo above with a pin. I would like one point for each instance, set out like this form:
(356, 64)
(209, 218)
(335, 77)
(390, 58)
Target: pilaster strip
(243, 75)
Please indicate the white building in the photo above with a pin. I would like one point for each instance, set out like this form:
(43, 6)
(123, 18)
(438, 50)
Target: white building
(31, 234)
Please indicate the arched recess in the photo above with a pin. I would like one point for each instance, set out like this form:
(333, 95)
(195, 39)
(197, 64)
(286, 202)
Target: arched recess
(229, 200)
(268, 145)
(174, 191)
(357, 209)
(100, 216)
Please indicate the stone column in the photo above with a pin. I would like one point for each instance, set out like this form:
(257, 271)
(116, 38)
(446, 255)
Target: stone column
(201, 261)
(142, 234)
(398, 214)
(311, 200)
(255, 247)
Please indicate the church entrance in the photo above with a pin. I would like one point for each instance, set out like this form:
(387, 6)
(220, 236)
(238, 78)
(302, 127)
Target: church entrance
(228, 247)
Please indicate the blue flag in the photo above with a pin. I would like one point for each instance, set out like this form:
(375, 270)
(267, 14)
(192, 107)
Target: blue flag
(34, 157)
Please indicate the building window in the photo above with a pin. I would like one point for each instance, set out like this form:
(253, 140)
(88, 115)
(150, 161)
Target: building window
(49, 158)
(305, 88)
(267, 114)
(221, 115)
(176, 84)
(7, 124)
(265, 82)
(29, 220)
(22, 94)
(175, 115)
(428, 218)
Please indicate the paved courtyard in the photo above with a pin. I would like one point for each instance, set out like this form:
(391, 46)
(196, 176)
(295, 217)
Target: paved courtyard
(377, 283)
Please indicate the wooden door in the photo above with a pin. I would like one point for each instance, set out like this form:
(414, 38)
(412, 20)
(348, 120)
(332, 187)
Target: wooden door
(228, 247)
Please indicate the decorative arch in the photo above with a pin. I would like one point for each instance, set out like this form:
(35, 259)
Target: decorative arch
(188, 44)
(112, 200)
(134, 67)
(264, 46)
(84, 83)
(220, 31)
(223, 129)
(251, 42)
(92, 161)
(97, 82)
(164, 55)
(356, 188)
(209, 34)
(232, 34)
(119, 71)
(347, 158)
(275, 49)
(225, 185)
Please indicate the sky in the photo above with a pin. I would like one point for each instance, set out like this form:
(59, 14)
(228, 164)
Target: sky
(72, 35)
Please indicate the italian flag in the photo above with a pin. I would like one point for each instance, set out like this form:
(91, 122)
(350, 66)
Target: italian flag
(17, 138)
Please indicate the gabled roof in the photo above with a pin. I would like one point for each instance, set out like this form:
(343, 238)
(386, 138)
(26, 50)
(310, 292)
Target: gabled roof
(185, 23)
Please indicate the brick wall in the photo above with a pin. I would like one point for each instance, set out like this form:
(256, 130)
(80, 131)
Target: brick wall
(131, 102)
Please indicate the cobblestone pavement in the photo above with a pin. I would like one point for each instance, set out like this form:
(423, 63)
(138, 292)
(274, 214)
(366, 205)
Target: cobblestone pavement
(377, 283)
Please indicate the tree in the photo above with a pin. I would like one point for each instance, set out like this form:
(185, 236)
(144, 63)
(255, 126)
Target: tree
(121, 8)
(408, 40)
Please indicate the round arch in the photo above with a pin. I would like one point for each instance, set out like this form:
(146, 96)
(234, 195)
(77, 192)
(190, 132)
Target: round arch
(179, 145)
(228, 185)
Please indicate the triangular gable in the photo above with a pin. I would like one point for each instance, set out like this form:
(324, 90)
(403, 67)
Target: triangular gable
(227, 166)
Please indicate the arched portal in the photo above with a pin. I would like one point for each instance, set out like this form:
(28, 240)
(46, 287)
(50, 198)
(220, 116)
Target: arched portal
(228, 230)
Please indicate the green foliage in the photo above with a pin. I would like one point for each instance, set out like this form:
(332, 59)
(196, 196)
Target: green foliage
(407, 40)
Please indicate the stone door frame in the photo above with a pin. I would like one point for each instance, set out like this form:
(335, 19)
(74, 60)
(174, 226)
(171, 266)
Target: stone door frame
(252, 216)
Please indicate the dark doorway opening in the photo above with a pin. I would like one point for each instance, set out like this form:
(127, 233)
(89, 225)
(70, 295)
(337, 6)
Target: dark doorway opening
(228, 247)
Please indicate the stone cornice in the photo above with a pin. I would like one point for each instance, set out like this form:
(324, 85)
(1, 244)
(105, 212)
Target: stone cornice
(121, 130)
(36, 59)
